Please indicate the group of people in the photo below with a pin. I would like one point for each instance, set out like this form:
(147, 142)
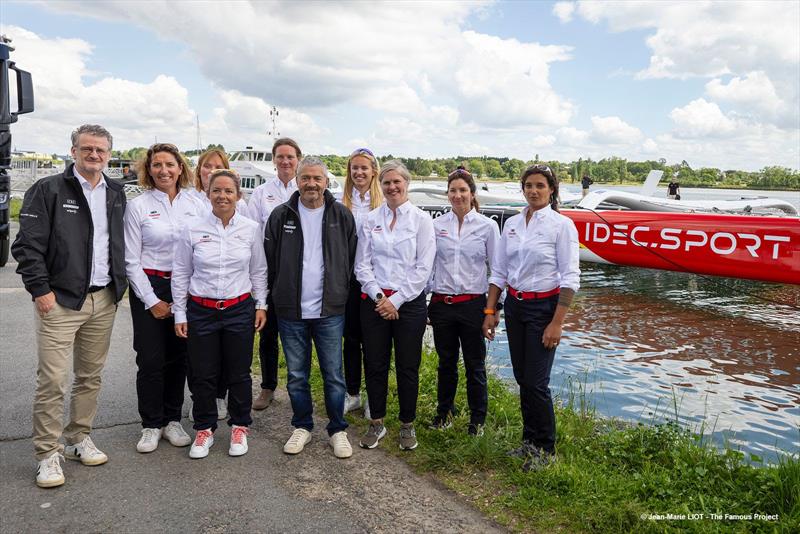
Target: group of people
(350, 276)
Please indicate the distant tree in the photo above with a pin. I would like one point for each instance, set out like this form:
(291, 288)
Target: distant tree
(494, 169)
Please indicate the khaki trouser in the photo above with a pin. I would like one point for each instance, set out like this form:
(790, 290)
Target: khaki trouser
(87, 334)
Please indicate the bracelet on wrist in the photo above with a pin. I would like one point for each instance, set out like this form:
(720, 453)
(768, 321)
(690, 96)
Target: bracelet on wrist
(489, 311)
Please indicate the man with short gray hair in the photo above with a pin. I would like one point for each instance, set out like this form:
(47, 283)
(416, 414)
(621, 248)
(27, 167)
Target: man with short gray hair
(70, 251)
(310, 243)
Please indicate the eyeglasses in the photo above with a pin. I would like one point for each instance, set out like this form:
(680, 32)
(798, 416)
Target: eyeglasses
(87, 151)
(358, 151)
(539, 168)
(458, 173)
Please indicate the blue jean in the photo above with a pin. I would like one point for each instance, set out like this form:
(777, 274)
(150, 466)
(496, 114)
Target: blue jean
(296, 337)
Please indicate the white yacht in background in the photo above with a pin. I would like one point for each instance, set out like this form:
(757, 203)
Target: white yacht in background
(256, 167)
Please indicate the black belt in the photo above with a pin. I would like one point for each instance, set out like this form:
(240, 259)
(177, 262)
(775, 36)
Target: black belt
(95, 289)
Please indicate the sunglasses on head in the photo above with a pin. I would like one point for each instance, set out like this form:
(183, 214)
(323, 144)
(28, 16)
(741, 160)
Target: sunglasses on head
(358, 151)
(459, 172)
(539, 168)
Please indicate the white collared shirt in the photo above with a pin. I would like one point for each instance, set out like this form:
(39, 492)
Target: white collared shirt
(399, 259)
(540, 256)
(267, 196)
(360, 208)
(217, 262)
(96, 198)
(241, 205)
(462, 259)
(152, 226)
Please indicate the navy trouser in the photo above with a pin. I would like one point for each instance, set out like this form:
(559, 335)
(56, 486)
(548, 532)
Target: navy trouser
(221, 344)
(353, 339)
(532, 362)
(160, 360)
(405, 334)
(454, 326)
(268, 349)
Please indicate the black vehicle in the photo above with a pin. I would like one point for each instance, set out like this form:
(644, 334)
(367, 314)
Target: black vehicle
(24, 105)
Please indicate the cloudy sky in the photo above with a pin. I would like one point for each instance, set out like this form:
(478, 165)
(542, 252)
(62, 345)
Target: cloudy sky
(715, 84)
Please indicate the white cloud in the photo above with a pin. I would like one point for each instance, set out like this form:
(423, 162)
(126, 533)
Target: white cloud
(649, 147)
(755, 95)
(700, 118)
(613, 130)
(564, 11)
(572, 136)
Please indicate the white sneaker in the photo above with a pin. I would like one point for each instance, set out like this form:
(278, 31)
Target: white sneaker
(222, 409)
(351, 402)
(238, 440)
(176, 435)
(297, 441)
(341, 445)
(49, 473)
(85, 452)
(202, 442)
(149, 440)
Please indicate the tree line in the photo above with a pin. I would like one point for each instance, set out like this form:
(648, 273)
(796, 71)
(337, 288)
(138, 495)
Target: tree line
(612, 170)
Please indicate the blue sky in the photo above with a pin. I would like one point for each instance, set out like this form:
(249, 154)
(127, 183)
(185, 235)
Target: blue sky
(639, 80)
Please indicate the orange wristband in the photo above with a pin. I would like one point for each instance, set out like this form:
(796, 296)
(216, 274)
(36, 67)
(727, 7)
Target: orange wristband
(489, 311)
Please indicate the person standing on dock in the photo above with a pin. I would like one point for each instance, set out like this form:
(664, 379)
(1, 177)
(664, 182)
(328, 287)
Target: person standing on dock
(71, 254)
(266, 197)
(465, 243)
(362, 194)
(674, 190)
(585, 183)
(537, 261)
(310, 244)
(396, 249)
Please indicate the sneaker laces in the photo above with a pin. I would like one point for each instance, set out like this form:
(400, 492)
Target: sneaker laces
(374, 429)
(202, 437)
(149, 434)
(88, 447)
(340, 439)
(238, 434)
(407, 432)
(52, 463)
(296, 437)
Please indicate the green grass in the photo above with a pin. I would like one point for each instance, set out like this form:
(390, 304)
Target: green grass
(608, 475)
(15, 204)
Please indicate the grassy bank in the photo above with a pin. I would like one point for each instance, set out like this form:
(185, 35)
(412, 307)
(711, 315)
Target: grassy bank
(15, 204)
(610, 477)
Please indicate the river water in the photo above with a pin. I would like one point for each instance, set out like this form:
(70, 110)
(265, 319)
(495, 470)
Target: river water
(720, 356)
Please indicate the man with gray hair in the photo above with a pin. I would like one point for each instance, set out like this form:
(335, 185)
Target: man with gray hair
(310, 242)
(71, 254)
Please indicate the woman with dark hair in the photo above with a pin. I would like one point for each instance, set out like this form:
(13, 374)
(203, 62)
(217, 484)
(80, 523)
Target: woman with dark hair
(362, 194)
(219, 279)
(538, 261)
(153, 221)
(394, 258)
(465, 243)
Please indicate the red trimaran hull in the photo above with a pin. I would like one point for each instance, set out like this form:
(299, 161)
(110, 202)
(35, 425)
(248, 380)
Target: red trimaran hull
(738, 246)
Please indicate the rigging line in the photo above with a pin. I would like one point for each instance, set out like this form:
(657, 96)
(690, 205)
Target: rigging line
(684, 269)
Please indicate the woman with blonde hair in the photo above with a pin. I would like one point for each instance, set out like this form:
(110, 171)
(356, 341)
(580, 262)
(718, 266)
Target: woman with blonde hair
(211, 160)
(153, 222)
(362, 194)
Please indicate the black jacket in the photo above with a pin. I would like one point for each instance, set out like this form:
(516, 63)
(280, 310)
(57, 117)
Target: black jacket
(54, 243)
(283, 244)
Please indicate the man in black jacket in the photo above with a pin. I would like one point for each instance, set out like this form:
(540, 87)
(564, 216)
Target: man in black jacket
(71, 254)
(310, 242)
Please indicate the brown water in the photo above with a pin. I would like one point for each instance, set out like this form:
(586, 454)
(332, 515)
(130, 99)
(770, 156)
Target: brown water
(655, 346)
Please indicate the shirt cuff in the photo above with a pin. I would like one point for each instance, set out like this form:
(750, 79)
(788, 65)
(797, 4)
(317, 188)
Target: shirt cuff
(397, 300)
(150, 300)
(180, 317)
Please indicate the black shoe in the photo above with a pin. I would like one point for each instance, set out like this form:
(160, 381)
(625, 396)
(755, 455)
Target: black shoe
(440, 422)
(475, 429)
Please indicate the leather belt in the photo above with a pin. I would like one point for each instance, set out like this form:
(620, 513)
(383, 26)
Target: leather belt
(454, 299)
(220, 304)
(95, 289)
(532, 295)
(386, 293)
(161, 274)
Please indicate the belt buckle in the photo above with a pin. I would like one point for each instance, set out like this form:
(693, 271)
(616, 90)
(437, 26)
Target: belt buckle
(220, 305)
(448, 299)
(519, 295)
(166, 276)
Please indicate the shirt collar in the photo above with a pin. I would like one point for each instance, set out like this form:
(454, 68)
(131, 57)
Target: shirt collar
(290, 186)
(540, 213)
(85, 183)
